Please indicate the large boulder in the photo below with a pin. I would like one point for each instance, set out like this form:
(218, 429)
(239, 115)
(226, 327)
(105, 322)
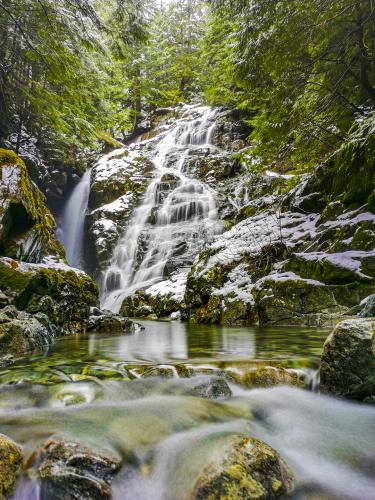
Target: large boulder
(348, 361)
(27, 227)
(21, 333)
(10, 463)
(60, 292)
(247, 468)
(71, 471)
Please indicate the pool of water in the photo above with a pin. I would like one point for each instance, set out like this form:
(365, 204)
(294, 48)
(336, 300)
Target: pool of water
(91, 389)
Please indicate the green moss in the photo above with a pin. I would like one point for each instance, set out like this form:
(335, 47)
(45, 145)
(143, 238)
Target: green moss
(354, 172)
(8, 157)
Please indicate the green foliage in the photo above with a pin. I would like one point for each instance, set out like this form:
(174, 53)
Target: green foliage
(304, 69)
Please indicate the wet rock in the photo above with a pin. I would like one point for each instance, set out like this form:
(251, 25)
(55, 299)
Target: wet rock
(118, 181)
(248, 468)
(21, 333)
(109, 322)
(10, 464)
(368, 310)
(54, 289)
(70, 471)
(347, 366)
(212, 388)
(269, 376)
(27, 227)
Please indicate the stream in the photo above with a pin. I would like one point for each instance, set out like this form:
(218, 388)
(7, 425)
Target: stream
(100, 391)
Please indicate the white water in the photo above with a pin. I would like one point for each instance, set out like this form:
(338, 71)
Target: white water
(73, 222)
(183, 209)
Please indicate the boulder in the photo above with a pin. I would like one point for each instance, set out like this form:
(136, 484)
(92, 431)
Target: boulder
(368, 310)
(247, 468)
(21, 333)
(27, 227)
(71, 471)
(347, 366)
(109, 322)
(60, 292)
(10, 463)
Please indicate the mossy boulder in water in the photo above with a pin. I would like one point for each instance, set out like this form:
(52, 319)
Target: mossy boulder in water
(27, 227)
(70, 470)
(62, 293)
(10, 464)
(248, 468)
(348, 361)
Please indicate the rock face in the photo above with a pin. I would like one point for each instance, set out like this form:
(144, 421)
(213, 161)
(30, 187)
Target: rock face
(72, 471)
(26, 225)
(63, 294)
(348, 361)
(248, 468)
(118, 181)
(10, 463)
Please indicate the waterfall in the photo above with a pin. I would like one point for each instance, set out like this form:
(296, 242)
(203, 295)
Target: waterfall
(177, 212)
(73, 222)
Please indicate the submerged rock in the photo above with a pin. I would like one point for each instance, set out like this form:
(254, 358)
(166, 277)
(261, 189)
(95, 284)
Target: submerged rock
(10, 464)
(348, 361)
(27, 227)
(269, 376)
(248, 468)
(211, 388)
(70, 471)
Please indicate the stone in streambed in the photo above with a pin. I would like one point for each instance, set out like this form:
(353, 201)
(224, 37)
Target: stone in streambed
(248, 468)
(10, 463)
(348, 361)
(70, 471)
(211, 388)
(269, 376)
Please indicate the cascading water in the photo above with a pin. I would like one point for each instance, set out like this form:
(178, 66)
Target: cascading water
(176, 214)
(73, 222)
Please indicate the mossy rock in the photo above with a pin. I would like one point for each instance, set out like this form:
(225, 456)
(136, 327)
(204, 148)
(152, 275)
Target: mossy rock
(348, 361)
(21, 333)
(299, 302)
(27, 227)
(247, 468)
(10, 463)
(71, 470)
(61, 293)
(269, 376)
(354, 172)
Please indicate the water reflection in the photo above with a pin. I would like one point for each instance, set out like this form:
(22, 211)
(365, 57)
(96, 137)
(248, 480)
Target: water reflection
(162, 342)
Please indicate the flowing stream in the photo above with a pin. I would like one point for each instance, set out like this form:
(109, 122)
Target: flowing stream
(72, 226)
(99, 390)
(177, 213)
